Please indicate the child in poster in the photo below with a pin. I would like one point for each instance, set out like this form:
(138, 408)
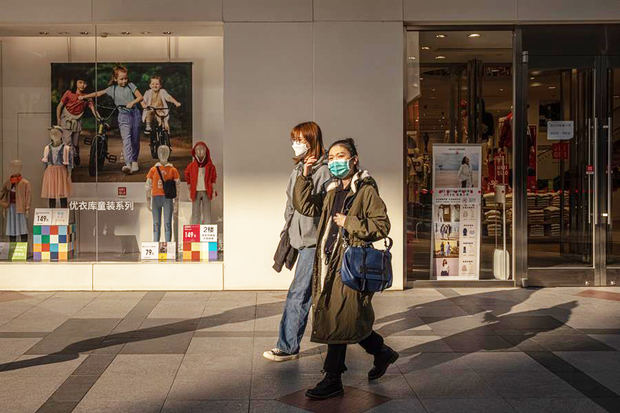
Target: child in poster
(125, 95)
(69, 114)
(157, 97)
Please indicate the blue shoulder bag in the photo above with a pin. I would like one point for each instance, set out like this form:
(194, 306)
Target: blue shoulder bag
(366, 269)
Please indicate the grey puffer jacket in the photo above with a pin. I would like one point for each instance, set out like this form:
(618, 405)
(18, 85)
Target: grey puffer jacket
(303, 229)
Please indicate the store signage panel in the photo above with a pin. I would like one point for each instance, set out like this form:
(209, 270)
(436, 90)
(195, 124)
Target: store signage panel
(4, 250)
(457, 195)
(560, 130)
(43, 216)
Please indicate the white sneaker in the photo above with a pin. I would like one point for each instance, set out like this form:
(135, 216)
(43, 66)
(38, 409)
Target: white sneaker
(134, 167)
(278, 355)
(126, 169)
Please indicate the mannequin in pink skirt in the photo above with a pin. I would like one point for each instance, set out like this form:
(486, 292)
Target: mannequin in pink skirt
(57, 176)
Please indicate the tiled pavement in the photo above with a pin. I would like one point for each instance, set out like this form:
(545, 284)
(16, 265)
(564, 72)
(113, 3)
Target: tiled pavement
(469, 350)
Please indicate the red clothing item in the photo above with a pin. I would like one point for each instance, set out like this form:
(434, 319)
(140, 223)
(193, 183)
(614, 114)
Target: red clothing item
(73, 104)
(191, 172)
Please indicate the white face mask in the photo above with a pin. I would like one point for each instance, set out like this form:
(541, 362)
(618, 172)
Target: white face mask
(300, 149)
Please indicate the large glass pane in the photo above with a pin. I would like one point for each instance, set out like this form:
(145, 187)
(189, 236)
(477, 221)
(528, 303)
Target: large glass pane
(459, 91)
(613, 237)
(560, 194)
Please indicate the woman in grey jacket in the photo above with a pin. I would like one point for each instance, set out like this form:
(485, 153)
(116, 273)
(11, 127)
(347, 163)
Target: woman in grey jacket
(302, 230)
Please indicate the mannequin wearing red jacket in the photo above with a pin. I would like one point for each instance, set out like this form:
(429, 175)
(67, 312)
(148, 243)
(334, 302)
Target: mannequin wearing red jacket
(200, 176)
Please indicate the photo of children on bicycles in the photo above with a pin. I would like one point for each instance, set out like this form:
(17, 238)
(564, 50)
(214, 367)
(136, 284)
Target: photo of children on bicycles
(135, 108)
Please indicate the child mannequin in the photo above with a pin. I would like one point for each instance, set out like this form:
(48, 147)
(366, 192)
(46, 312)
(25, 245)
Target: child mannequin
(17, 199)
(58, 162)
(155, 198)
(200, 176)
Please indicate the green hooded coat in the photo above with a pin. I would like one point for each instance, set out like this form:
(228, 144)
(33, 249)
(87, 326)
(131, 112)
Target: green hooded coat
(341, 315)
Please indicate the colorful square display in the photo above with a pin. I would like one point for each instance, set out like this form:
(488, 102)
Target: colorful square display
(200, 251)
(53, 242)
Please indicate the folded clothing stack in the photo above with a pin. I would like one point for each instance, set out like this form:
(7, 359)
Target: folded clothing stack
(535, 223)
(544, 200)
(493, 221)
(489, 200)
(531, 200)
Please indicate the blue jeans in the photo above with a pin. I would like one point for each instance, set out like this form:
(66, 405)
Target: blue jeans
(298, 302)
(160, 202)
(129, 127)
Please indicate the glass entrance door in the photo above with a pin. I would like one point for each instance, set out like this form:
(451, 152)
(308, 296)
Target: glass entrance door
(562, 170)
(611, 132)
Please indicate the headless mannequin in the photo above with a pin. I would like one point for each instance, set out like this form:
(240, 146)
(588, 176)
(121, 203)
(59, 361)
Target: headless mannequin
(163, 153)
(56, 138)
(15, 169)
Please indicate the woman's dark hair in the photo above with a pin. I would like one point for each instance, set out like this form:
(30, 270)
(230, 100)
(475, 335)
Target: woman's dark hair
(463, 161)
(313, 135)
(348, 143)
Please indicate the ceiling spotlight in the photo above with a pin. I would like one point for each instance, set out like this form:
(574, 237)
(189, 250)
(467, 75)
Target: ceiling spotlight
(145, 33)
(441, 36)
(551, 87)
(425, 48)
(105, 34)
(63, 33)
(167, 33)
(536, 84)
(125, 33)
(501, 90)
(474, 35)
(532, 78)
(411, 57)
(44, 33)
(83, 33)
(440, 57)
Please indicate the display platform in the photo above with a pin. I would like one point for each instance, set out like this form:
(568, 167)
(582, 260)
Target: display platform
(111, 276)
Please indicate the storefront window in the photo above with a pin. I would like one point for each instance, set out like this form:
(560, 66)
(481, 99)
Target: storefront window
(118, 133)
(459, 94)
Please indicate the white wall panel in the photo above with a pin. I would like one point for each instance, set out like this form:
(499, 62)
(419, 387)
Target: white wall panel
(267, 10)
(359, 93)
(496, 11)
(45, 11)
(355, 10)
(157, 10)
(267, 90)
(568, 10)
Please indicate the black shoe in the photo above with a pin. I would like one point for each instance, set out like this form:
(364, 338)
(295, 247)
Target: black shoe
(383, 360)
(330, 386)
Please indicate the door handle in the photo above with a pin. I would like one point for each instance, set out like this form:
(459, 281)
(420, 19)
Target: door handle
(609, 171)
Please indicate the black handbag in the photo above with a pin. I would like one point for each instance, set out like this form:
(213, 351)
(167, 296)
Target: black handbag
(285, 254)
(366, 269)
(170, 187)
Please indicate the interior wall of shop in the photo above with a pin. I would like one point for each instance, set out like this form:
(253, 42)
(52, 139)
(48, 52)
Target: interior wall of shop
(26, 117)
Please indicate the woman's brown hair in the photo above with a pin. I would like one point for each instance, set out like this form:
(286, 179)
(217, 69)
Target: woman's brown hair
(313, 135)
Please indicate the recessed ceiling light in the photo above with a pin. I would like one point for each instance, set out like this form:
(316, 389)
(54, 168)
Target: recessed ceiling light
(425, 48)
(501, 90)
(44, 33)
(433, 89)
(105, 34)
(167, 33)
(536, 84)
(535, 72)
(551, 87)
(83, 33)
(474, 35)
(440, 36)
(125, 33)
(532, 78)
(146, 33)
(411, 57)
(63, 33)
(421, 79)
(440, 57)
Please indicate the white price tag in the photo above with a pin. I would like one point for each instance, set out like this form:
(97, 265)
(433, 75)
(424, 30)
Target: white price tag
(60, 216)
(560, 130)
(43, 216)
(4, 250)
(149, 250)
(208, 233)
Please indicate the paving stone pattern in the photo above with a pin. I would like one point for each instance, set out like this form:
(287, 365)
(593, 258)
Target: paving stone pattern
(461, 350)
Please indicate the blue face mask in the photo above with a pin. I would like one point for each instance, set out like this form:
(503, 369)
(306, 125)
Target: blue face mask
(339, 167)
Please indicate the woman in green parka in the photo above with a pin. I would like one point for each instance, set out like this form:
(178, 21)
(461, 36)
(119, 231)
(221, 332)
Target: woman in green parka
(342, 315)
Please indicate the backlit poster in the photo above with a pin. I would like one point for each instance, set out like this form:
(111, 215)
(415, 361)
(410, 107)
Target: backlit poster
(457, 197)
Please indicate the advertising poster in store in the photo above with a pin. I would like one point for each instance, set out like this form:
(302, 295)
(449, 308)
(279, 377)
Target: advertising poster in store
(456, 211)
(101, 152)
